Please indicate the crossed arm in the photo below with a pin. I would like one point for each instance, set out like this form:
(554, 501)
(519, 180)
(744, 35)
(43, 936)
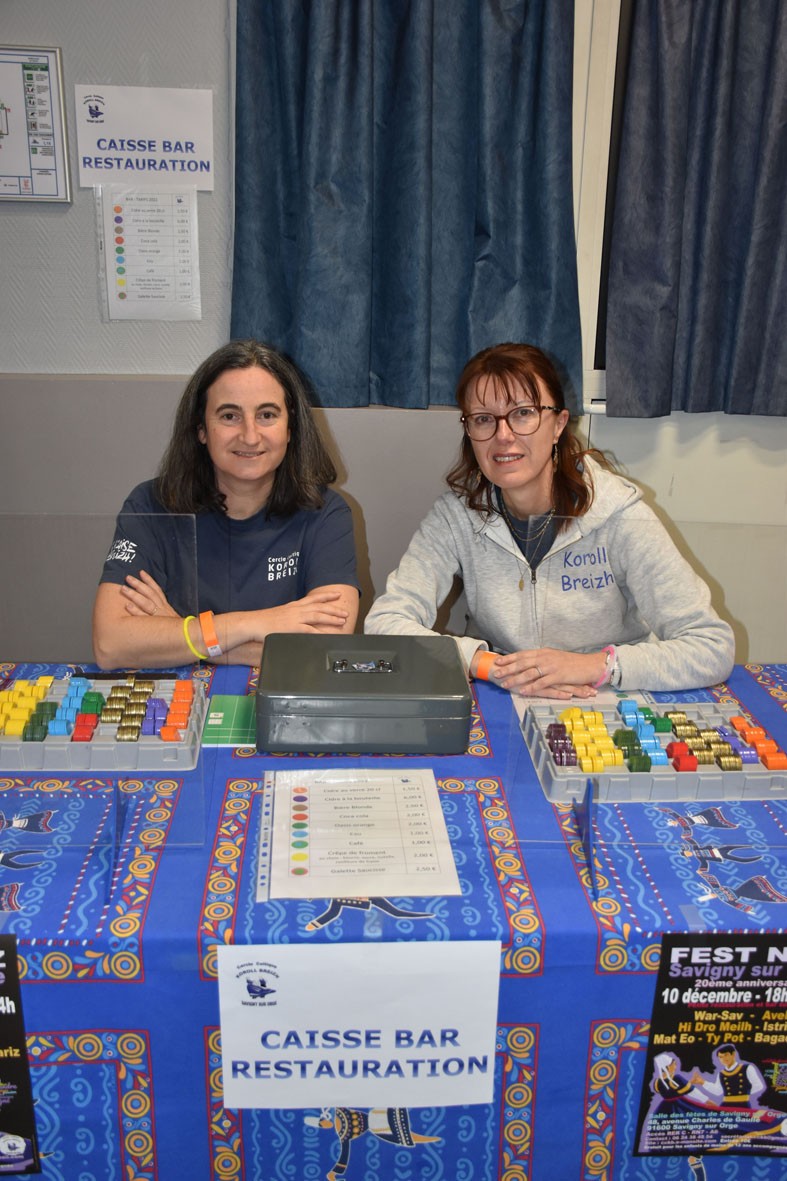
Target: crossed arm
(134, 625)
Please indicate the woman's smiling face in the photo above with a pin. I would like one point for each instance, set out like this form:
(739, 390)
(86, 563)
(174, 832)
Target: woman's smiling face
(246, 429)
(519, 465)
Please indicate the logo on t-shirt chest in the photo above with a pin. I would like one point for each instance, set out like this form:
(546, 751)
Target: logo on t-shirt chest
(588, 579)
(286, 567)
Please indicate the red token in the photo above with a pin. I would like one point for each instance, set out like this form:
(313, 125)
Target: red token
(685, 762)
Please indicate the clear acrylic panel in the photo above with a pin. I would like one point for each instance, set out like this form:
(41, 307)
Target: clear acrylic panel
(111, 768)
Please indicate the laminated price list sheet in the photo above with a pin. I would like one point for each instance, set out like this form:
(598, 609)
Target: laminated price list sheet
(358, 834)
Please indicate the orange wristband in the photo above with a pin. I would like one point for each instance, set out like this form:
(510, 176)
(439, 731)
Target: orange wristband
(208, 626)
(484, 666)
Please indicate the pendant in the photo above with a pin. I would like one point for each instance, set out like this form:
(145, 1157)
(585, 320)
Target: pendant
(522, 583)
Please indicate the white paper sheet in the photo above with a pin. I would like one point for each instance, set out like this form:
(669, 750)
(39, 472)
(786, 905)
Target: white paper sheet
(358, 834)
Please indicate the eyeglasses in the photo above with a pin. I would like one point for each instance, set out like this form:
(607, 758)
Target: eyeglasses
(522, 420)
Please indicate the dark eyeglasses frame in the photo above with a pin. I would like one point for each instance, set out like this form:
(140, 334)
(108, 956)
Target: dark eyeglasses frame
(467, 419)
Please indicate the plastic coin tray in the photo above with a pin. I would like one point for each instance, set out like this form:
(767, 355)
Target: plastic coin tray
(753, 781)
(55, 738)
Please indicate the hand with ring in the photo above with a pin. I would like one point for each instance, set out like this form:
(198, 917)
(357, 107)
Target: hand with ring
(547, 672)
(144, 596)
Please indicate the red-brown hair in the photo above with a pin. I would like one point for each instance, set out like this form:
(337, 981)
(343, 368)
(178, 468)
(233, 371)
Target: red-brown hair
(511, 370)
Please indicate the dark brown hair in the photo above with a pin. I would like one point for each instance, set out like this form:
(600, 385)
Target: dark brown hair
(186, 481)
(512, 369)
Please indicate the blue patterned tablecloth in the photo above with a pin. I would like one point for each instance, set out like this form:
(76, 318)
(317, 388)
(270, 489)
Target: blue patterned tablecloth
(120, 891)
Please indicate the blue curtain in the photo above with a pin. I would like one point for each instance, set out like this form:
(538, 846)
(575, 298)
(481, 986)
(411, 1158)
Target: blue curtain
(403, 189)
(698, 263)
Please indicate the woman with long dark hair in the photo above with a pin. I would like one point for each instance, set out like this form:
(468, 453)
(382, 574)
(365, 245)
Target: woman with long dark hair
(570, 579)
(238, 536)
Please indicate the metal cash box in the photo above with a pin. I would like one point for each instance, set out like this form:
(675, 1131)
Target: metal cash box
(362, 694)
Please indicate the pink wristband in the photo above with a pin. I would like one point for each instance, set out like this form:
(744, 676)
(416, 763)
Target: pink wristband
(609, 664)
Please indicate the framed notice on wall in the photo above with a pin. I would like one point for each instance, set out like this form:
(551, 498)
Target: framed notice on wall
(33, 143)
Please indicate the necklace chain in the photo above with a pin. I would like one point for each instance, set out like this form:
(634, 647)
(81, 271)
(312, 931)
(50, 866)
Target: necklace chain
(527, 537)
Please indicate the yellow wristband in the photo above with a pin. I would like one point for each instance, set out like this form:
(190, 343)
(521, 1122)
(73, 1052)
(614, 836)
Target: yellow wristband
(187, 637)
(207, 623)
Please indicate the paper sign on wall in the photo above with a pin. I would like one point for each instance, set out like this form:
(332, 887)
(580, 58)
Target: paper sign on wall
(145, 136)
(150, 248)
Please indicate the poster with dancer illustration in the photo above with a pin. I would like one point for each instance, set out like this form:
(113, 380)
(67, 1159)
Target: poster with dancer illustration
(18, 1136)
(716, 1076)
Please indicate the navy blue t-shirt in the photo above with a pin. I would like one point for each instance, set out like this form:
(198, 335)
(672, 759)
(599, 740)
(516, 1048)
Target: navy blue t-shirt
(211, 562)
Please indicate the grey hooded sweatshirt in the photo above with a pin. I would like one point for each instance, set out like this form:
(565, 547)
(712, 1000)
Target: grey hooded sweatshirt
(612, 576)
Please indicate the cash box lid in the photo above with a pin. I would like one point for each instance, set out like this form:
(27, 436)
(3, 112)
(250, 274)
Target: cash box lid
(362, 676)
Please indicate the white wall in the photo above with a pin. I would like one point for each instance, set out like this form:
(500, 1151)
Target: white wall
(50, 317)
(73, 441)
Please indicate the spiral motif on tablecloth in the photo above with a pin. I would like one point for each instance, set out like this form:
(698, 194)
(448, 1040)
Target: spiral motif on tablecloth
(238, 787)
(518, 1095)
(166, 787)
(226, 1164)
(508, 864)
(501, 835)
(237, 804)
(131, 787)
(518, 1134)
(131, 1047)
(135, 1104)
(158, 816)
(525, 960)
(606, 1034)
(88, 1047)
(614, 956)
(57, 965)
(597, 1158)
(453, 785)
(219, 912)
(606, 906)
(515, 1172)
(152, 838)
(520, 1040)
(602, 1073)
(125, 965)
(209, 966)
(125, 925)
(651, 957)
(139, 1143)
(220, 884)
(226, 852)
(44, 785)
(142, 866)
(525, 921)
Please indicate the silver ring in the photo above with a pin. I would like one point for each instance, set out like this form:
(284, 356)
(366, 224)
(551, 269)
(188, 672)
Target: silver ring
(538, 670)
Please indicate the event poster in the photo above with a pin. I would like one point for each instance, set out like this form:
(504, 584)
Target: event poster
(18, 1146)
(716, 1074)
